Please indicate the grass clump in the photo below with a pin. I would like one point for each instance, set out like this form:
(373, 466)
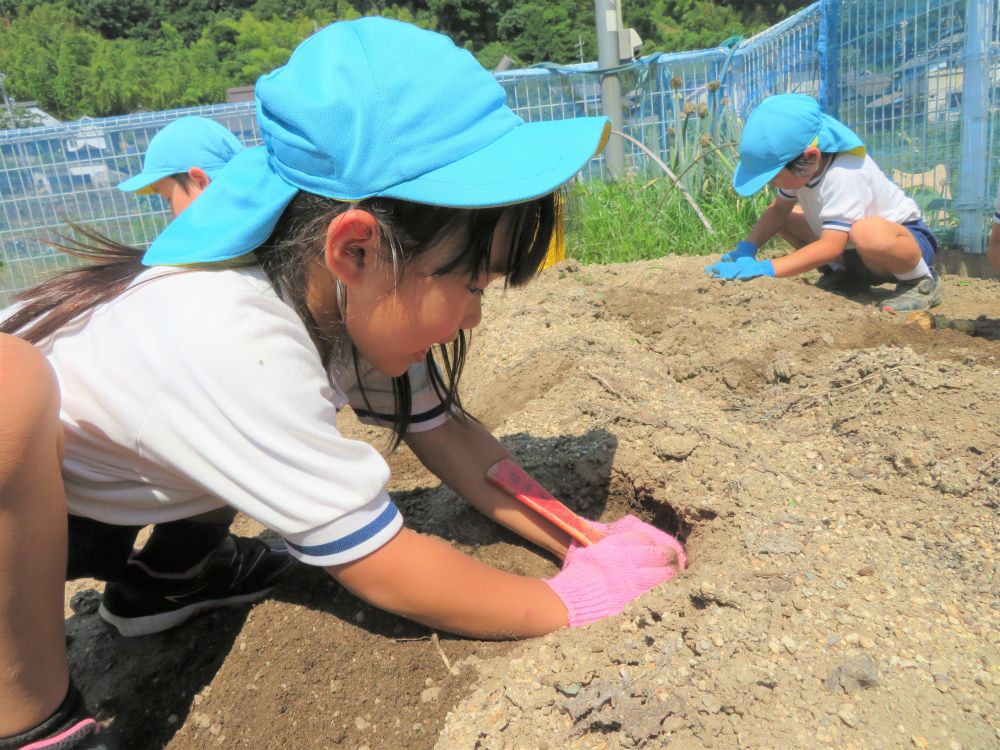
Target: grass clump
(634, 219)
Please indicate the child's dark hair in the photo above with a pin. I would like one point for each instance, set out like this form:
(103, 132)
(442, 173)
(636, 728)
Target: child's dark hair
(184, 180)
(406, 230)
(801, 163)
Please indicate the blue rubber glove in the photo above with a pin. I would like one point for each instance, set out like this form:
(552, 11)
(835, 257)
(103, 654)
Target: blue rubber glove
(742, 269)
(744, 249)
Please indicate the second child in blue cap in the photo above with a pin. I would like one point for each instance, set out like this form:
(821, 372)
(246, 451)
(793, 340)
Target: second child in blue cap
(341, 264)
(181, 160)
(834, 206)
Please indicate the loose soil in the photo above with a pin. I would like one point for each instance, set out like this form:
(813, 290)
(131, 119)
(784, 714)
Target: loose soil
(834, 472)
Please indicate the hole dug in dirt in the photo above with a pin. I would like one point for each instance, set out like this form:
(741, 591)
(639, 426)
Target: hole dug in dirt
(661, 514)
(664, 517)
(632, 496)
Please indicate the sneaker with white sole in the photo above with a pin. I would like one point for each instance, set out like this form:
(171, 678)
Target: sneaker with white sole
(921, 294)
(85, 734)
(238, 572)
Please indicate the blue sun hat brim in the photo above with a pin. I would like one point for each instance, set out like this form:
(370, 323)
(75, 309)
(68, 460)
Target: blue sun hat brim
(232, 218)
(779, 130)
(378, 108)
(496, 176)
(184, 143)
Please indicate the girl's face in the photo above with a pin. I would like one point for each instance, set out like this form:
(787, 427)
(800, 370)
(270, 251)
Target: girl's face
(393, 321)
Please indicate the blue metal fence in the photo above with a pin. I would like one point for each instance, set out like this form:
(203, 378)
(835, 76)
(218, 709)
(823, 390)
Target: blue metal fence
(919, 80)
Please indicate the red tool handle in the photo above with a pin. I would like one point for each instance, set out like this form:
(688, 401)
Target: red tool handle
(515, 481)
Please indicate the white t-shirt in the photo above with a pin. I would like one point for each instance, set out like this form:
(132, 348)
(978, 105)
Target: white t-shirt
(199, 389)
(852, 187)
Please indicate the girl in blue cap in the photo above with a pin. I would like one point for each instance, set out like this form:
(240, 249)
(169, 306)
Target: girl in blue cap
(851, 221)
(322, 269)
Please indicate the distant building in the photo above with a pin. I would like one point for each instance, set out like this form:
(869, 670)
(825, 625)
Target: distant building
(239, 94)
(29, 115)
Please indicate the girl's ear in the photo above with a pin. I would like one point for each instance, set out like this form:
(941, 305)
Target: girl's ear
(199, 177)
(812, 154)
(351, 243)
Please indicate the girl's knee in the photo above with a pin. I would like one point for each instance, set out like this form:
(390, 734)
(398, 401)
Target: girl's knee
(29, 402)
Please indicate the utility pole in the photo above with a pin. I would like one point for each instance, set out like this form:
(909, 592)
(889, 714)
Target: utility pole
(6, 100)
(608, 15)
(975, 125)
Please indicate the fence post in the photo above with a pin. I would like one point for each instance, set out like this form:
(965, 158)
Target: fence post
(829, 57)
(606, 14)
(975, 124)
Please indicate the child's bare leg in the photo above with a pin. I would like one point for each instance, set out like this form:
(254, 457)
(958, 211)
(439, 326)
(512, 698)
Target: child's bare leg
(34, 675)
(886, 248)
(796, 231)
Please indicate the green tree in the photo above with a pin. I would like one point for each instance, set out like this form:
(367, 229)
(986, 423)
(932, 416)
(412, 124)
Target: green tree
(190, 17)
(471, 23)
(549, 31)
(116, 19)
(254, 47)
(680, 25)
(72, 63)
(28, 49)
(119, 76)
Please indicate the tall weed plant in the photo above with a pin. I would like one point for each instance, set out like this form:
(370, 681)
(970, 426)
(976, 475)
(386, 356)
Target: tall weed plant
(679, 204)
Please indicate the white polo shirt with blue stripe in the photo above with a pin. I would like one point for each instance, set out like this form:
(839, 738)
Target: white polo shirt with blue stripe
(851, 187)
(195, 390)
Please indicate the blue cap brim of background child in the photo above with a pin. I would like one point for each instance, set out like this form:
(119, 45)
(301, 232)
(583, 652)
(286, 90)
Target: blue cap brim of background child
(183, 144)
(780, 129)
(377, 108)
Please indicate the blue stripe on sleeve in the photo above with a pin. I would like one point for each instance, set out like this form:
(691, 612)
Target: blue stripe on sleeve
(837, 225)
(353, 539)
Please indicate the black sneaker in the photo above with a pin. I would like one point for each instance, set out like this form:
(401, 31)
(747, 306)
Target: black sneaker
(840, 280)
(240, 571)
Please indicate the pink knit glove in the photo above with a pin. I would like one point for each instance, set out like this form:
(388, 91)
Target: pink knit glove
(599, 580)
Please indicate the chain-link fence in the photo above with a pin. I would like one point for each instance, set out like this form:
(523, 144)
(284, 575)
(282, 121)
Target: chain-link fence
(919, 80)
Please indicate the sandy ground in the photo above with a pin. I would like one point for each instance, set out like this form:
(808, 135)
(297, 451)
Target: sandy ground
(834, 472)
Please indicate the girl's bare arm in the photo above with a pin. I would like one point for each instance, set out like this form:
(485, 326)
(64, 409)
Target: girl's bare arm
(459, 453)
(426, 580)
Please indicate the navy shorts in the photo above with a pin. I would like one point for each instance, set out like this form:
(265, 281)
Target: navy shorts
(924, 238)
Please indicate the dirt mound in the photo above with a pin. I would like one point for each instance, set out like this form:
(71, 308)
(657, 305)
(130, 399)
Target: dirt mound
(835, 472)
